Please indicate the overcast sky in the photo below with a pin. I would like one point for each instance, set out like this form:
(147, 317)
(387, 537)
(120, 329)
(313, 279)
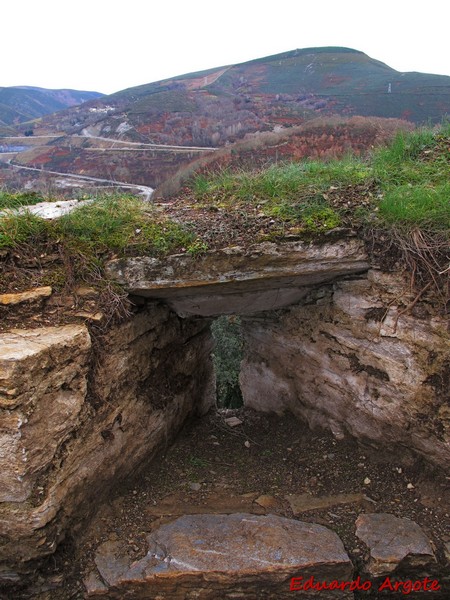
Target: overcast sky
(107, 46)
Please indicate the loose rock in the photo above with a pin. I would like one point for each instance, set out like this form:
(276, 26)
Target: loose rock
(393, 542)
(28, 296)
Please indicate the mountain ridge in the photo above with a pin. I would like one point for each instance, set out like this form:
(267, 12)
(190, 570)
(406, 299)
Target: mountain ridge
(19, 104)
(283, 89)
(219, 106)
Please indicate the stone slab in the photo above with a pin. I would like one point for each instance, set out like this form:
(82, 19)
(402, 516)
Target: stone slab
(223, 556)
(28, 296)
(265, 276)
(303, 502)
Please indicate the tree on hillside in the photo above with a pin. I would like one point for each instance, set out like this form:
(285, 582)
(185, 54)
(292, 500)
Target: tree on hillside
(227, 358)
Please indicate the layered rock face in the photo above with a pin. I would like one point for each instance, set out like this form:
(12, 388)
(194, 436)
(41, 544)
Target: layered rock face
(344, 359)
(238, 280)
(327, 337)
(43, 389)
(72, 427)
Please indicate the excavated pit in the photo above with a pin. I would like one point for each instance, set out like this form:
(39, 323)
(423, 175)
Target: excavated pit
(315, 348)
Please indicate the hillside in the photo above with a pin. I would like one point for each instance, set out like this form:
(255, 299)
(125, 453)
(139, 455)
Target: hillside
(211, 108)
(167, 169)
(22, 103)
(219, 107)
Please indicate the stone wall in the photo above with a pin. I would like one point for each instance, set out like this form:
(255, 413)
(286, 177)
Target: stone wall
(77, 415)
(74, 423)
(341, 360)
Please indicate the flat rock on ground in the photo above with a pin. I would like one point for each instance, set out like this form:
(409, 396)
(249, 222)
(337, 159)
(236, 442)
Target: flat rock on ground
(300, 503)
(237, 555)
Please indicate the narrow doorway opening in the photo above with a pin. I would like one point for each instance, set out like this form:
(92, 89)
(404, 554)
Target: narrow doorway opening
(227, 357)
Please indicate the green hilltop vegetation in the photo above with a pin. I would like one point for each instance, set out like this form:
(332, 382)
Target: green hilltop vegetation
(218, 106)
(331, 80)
(348, 79)
(402, 191)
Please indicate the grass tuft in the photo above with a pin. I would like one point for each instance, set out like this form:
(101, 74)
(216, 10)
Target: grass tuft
(20, 229)
(18, 199)
(419, 206)
(118, 224)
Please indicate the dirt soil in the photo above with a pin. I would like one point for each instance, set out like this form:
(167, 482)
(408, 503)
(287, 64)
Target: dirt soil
(251, 467)
(220, 223)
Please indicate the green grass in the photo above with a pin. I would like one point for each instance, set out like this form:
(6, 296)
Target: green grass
(112, 224)
(418, 206)
(120, 224)
(17, 199)
(411, 178)
(17, 230)
(399, 163)
(284, 182)
(295, 193)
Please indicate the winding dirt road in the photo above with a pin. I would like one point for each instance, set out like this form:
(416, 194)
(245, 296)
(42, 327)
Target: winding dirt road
(144, 190)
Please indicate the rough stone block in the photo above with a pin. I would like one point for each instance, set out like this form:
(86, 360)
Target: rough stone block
(393, 543)
(28, 296)
(42, 390)
(224, 556)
